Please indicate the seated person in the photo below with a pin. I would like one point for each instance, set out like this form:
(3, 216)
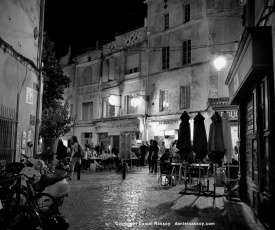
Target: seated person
(175, 157)
(165, 157)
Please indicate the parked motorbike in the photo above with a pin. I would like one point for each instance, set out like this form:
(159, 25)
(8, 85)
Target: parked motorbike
(47, 181)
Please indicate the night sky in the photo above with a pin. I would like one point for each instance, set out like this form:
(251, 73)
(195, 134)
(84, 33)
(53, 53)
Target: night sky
(81, 23)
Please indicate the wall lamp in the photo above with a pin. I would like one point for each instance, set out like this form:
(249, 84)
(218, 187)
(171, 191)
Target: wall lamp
(113, 100)
(220, 61)
(136, 100)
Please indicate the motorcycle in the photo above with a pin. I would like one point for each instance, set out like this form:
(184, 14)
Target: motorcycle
(47, 181)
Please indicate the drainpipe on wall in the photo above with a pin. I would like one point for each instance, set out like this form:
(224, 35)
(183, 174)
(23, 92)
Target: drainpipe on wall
(147, 74)
(40, 90)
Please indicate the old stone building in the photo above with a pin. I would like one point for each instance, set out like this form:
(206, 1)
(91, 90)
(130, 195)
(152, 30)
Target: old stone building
(20, 52)
(155, 73)
(251, 87)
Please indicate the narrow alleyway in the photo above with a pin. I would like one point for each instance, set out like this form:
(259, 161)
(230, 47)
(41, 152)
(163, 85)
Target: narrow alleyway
(102, 200)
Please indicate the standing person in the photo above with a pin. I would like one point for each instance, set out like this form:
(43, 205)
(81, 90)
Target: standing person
(143, 150)
(76, 156)
(149, 155)
(162, 149)
(155, 151)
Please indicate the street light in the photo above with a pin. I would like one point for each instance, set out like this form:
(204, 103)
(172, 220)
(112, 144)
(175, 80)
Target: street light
(136, 100)
(220, 62)
(113, 100)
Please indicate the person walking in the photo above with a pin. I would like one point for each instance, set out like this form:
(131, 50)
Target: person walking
(143, 150)
(76, 155)
(155, 151)
(149, 155)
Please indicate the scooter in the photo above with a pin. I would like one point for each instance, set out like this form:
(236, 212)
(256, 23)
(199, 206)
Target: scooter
(47, 181)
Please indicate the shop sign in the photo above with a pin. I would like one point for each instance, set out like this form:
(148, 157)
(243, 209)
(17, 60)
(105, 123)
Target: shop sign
(168, 122)
(233, 114)
(118, 126)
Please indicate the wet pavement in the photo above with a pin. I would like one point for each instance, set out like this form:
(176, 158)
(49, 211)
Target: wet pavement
(102, 200)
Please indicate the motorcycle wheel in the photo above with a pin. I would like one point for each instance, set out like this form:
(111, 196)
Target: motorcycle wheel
(45, 203)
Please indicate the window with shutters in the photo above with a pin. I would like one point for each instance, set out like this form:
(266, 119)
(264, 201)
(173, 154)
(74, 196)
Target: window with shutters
(186, 13)
(71, 110)
(165, 57)
(166, 21)
(186, 52)
(87, 111)
(108, 109)
(85, 75)
(163, 100)
(132, 65)
(105, 70)
(129, 109)
(185, 97)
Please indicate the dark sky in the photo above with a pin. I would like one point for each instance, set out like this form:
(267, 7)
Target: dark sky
(81, 23)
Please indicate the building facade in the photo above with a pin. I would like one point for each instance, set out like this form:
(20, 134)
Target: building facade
(20, 23)
(156, 73)
(251, 87)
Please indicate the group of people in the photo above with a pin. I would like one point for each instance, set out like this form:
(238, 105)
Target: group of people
(150, 153)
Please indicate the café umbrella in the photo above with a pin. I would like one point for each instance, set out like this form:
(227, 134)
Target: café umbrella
(199, 137)
(216, 149)
(227, 138)
(199, 141)
(184, 139)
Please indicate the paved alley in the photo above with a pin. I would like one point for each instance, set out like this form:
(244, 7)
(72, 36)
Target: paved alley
(102, 200)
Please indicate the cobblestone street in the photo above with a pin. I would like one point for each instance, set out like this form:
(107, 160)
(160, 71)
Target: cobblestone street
(102, 200)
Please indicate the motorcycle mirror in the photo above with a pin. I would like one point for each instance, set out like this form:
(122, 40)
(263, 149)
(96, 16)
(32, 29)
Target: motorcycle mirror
(24, 155)
(21, 160)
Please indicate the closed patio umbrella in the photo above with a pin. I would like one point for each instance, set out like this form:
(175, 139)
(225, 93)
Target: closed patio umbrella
(199, 137)
(227, 138)
(184, 139)
(216, 149)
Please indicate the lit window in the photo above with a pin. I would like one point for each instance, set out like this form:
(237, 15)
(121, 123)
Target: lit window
(130, 109)
(163, 100)
(108, 109)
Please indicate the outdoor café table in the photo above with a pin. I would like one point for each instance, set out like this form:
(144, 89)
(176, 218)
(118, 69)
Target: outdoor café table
(131, 159)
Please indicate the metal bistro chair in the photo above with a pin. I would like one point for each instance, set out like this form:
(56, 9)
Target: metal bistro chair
(231, 177)
(198, 175)
(167, 171)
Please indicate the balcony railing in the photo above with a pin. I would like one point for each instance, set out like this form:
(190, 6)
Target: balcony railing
(219, 101)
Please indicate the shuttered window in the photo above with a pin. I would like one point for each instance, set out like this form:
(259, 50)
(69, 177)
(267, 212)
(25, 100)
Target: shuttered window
(132, 64)
(163, 100)
(186, 52)
(112, 69)
(108, 109)
(105, 71)
(184, 97)
(128, 106)
(186, 13)
(166, 21)
(165, 57)
(87, 111)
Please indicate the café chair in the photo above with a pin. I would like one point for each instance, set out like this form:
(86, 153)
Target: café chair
(166, 171)
(231, 177)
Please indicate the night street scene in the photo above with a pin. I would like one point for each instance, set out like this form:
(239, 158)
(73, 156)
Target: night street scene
(137, 114)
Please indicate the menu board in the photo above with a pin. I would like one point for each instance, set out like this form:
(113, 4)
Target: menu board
(126, 141)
